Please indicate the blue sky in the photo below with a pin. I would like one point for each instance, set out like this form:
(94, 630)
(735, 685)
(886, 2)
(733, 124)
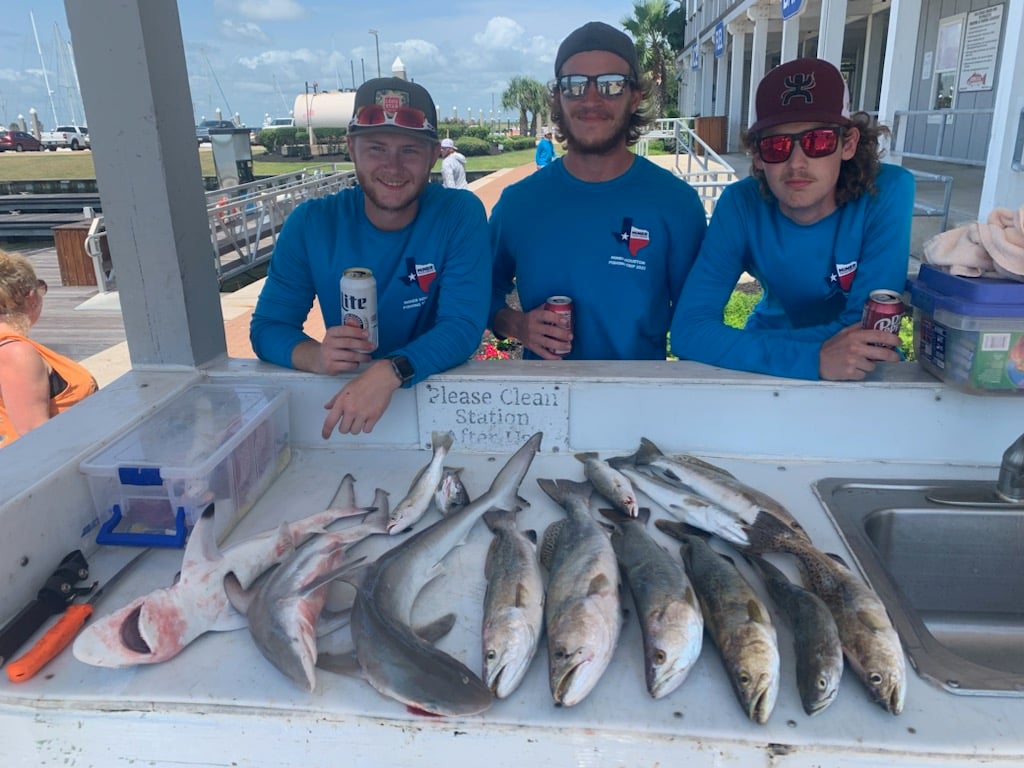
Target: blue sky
(262, 52)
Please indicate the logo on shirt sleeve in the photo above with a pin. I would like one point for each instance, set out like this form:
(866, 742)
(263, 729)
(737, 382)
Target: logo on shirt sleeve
(634, 237)
(843, 275)
(420, 274)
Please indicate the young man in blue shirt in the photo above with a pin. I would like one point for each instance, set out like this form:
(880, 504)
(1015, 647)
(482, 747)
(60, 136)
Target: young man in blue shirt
(820, 223)
(611, 230)
(417, 238)
(545, 154)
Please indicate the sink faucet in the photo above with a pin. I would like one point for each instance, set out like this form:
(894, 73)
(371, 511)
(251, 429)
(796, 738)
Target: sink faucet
(1010, 484)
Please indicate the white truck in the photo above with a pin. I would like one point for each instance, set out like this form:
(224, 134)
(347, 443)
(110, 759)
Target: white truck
(71, 136)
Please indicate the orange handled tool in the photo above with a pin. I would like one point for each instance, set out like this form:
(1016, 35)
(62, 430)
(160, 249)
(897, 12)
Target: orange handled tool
(58, 636)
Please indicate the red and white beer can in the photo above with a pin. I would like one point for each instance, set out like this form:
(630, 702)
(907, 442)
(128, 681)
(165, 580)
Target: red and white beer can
(883, 311)
(359, 300)
(561, 306)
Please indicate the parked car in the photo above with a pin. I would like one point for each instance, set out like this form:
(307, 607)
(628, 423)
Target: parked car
(279, 122)
(67, 136)
(18, 141)
(203, 129)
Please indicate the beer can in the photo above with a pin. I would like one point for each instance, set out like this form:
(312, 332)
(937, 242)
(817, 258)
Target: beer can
(883, 311)
(562, 307)
(359, 300)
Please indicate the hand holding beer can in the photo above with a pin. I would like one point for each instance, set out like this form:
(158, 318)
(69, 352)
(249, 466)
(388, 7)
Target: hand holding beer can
(562, 307)
(359, 301)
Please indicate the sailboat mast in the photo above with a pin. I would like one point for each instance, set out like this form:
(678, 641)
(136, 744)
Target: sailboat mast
(46, 77)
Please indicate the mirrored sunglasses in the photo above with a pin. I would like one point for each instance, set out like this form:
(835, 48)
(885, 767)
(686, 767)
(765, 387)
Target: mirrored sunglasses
(371, 115)
(608, 86)
(815, 142)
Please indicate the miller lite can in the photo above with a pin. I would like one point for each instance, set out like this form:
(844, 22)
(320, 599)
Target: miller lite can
(883, 311)
(359, 300)
(562, 307)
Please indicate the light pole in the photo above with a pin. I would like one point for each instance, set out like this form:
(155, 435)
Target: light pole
(376, 42)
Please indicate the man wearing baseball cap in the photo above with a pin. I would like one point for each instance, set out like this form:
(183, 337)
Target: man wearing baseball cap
(820, 223)
(417, 238)
(453, 166)
(545, 152)
(611, 230)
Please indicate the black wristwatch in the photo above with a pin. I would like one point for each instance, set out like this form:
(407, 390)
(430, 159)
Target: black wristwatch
(403, 368)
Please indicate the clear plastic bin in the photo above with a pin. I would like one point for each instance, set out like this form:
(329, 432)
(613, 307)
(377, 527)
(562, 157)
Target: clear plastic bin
(213, 443)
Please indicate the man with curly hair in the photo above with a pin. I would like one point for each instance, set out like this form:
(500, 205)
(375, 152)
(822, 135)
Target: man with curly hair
(820, 223)
(612, 230)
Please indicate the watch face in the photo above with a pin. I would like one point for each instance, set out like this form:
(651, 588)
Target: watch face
(402, 367)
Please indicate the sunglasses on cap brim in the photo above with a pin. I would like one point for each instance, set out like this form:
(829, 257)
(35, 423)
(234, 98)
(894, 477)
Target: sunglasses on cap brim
(814, 142)
(374, 115)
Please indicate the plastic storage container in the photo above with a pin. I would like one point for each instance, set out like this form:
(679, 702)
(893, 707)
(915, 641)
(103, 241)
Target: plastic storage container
(969, 332)
(213, 443)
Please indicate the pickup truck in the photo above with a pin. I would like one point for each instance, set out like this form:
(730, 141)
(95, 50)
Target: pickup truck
(65, 136)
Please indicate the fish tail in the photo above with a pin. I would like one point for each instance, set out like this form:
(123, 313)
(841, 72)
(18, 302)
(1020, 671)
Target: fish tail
(679, 530)
(345, 496)
(441, 440)
(494, 517)
(586, 456)
(561, 490)
(646, 453)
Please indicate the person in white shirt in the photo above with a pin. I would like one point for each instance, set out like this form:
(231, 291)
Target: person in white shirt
(453, 166)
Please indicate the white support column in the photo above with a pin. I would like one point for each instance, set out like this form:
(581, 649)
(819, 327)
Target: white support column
(150, 179)
(737, 30)
(1004, 186)
(721, 82)
(832, 30)
(707, 70)
(791, 37)
(759, 14)
(871, 62)
(898, 70)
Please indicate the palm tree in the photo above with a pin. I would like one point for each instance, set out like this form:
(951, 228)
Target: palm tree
(649, 27)
(528, 96)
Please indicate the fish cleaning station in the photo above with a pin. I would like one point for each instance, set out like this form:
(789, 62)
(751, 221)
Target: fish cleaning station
(905, 477)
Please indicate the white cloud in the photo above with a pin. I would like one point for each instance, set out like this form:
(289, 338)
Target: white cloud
(244, 31)
(500, 32)
(281, 58)
(264, 10)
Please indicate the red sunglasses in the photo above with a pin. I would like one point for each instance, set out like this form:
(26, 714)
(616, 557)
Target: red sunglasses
(815, 142)
(404, 117)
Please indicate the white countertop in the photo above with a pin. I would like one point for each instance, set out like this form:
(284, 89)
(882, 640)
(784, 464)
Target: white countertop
(221, 703)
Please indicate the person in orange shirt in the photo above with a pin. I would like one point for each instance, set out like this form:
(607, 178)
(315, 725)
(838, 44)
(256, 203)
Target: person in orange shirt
(36, 383)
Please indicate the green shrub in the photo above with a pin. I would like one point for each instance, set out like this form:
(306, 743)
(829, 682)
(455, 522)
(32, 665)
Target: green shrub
(514, 143)
(471, 146)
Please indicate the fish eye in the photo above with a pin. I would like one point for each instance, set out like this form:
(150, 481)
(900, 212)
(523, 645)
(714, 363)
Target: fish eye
(822, 684)
(492, 654)
(744, 678)
(660, 656)
(875, 678)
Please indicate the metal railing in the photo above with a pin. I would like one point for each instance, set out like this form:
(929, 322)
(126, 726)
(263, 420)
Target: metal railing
(695, 162)
(244, 221)
(944, 121)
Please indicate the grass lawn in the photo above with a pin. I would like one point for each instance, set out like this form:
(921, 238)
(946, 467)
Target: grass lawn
(79, 165)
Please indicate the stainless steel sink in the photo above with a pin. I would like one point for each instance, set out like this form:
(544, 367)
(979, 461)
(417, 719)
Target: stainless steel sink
(950, 572)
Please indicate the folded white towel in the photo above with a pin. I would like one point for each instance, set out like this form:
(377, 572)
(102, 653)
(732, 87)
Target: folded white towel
(994, 248)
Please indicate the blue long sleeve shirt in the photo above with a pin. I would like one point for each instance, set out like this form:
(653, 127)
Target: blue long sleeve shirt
(545, 153)
(620, 249)
(815, 278)
(432, 277)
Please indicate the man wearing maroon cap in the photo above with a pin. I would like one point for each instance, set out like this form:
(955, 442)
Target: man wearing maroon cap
(820, 223)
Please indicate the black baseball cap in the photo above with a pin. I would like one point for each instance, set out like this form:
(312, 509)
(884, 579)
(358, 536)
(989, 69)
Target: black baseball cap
(393, 105)
(802, 91)
(598, 36)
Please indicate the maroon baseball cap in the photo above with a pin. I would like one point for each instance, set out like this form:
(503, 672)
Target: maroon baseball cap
(802, 91)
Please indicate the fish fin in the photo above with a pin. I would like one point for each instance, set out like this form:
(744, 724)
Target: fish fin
(345, 496)
(352, 572)
(643, 514)
(550, 542)
(872, 621)
(560, 490)
(377, 514)
(599, 584)
(615, 515)
(494, 517)
(457, 471)
(693, 461)
(332, 621)
(680, 530)
(436, 629)
(647, 452)
(531, 535)
(341, 664)
(521, 503)
(202, 543)
(838, 558)
(239, 597)
(441, 440)
(756, 612)
(586, 456)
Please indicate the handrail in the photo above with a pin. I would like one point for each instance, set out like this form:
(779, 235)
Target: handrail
(244, 220)
(900, 126)
(706, 171)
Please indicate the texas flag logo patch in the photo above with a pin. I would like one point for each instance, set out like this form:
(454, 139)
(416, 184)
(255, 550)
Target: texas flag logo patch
(634, 237)
(843, 275)
(420, 274)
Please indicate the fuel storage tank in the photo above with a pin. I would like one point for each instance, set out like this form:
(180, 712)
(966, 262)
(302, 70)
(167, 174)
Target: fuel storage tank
(325, 109)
